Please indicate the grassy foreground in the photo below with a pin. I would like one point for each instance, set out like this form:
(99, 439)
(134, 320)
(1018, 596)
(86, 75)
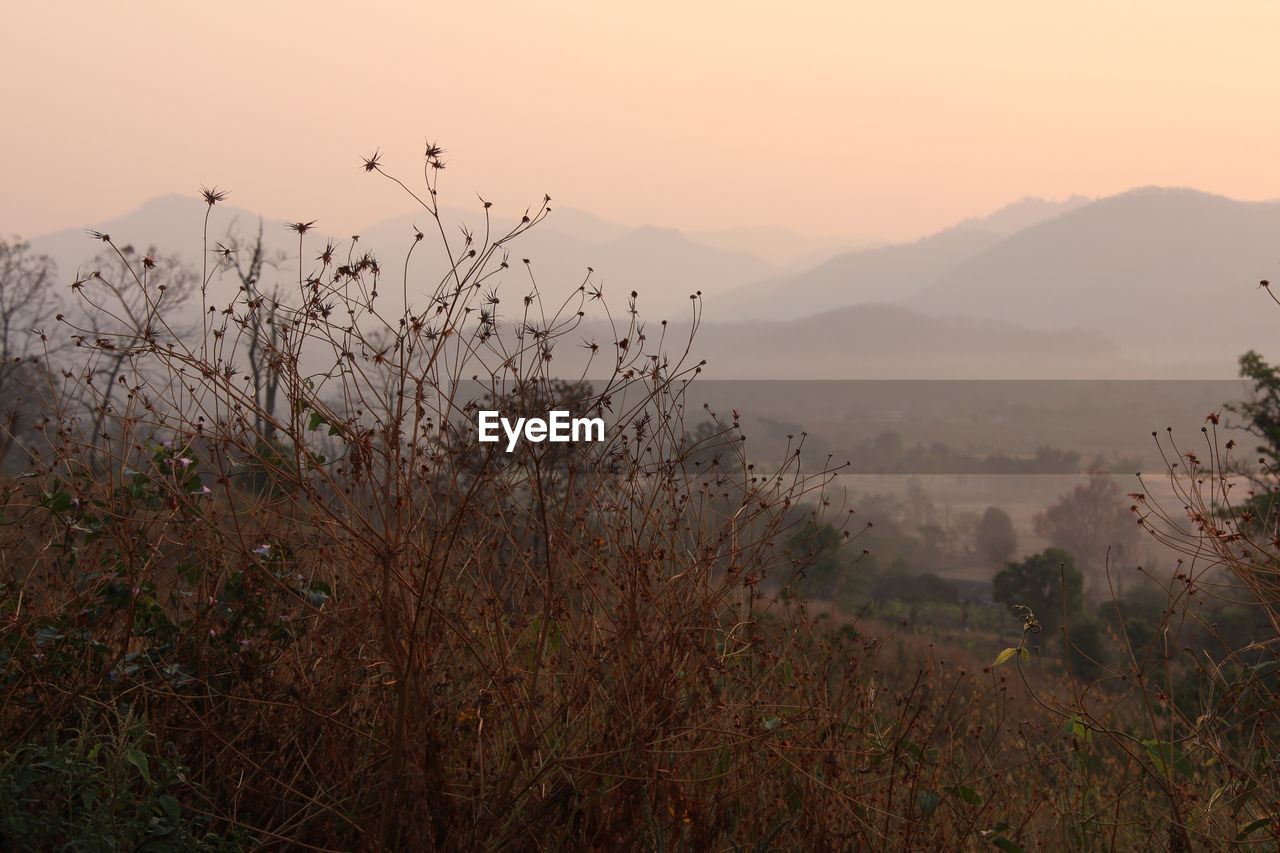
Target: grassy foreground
(265, 589)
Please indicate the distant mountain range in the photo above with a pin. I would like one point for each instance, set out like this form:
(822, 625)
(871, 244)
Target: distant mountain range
(663, 264)
(1168, 276)
(888, 273)
(882, 274)
(1155, 283)
(1167, 273)
(894, 342)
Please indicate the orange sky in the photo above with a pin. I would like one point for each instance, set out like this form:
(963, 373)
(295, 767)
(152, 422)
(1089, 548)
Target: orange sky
(864, 120)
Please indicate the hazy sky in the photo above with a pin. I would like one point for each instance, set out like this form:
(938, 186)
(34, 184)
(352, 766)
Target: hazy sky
(876, 120)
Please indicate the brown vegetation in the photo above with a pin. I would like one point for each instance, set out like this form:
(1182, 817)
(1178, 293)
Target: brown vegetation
(340, 622)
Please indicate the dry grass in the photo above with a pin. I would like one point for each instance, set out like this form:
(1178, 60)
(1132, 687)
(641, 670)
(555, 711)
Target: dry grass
(356, 627)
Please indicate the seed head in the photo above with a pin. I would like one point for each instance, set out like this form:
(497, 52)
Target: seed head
(213, 195)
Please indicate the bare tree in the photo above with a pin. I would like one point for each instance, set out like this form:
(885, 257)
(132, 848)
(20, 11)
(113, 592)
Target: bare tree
(27, 299)
(994, 537)
(1089, 520)
(249, 260)
(131, 298)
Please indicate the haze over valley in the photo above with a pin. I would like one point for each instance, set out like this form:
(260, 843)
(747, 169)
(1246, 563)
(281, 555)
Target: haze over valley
(1117, 287)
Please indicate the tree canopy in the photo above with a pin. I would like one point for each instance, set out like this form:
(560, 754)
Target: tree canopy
(1046, 583)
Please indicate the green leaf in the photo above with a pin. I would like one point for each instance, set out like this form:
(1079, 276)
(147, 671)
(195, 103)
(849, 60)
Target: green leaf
(138, 760)
(723, 761)
(928, 802)
(318, 592)
(316, 420)
(1167, 758)
(191, 572)
(1249, 828)
(171, 809)
(58, 501)
(764, 845)
(1008, 846)
(1265, 668)
(1077, 729)
(1005, 656)
(969, 795)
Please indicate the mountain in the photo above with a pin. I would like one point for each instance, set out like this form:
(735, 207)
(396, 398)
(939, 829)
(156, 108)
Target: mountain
(662, 264)
(782, 247)
(1166, 273)
(886, 274)
(893, 342)
(174, 225)
(872, 342)
(1024, 213)
(1154, 282)
(891, 273)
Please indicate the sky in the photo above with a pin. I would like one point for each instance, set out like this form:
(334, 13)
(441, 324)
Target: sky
(866, 121)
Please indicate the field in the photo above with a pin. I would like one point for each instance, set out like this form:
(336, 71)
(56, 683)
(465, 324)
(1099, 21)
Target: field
(264, 588)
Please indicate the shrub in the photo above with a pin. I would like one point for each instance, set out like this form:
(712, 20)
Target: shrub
(361, 627)
(348, 624)
(98, 788)
(1047, 583)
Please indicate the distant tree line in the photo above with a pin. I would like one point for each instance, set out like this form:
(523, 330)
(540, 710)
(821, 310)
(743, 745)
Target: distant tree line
(888, 454)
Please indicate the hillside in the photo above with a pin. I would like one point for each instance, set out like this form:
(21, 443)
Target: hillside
(663, 264)
(881, 342)
(893, 273)
(1145, 268)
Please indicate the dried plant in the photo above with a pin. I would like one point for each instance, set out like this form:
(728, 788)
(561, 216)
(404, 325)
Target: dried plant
(268, 539)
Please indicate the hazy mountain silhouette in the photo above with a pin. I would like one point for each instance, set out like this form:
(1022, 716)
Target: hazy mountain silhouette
(663, 264)
(878, 342)
(1164, 280)
(1167, 273)
(173, 224)
(887, 273)
(784, 248)
(1024, 213)
(893, 342)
